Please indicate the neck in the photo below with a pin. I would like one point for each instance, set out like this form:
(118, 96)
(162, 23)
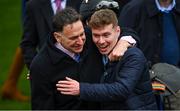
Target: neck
(165, 3)
(113, 47)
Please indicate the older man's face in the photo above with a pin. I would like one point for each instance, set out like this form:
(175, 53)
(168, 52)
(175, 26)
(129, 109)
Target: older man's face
(73, 37)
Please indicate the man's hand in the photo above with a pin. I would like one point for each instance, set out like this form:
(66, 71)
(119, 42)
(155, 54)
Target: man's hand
(68, 87)
(119, 50)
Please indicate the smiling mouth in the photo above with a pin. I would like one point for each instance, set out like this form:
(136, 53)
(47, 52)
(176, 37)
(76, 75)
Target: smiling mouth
(79, 47)
(103, 48)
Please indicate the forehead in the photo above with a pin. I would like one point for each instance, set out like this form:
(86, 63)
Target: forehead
(73, 29)
(104, 29)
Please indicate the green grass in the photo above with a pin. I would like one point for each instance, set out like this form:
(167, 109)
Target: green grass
(10, 36)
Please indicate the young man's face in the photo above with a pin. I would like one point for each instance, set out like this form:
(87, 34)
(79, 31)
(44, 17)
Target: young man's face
(106, 38)
(73, 37)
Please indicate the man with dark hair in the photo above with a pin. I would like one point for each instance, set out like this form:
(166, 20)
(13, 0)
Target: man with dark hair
(57, 60)
(37, 19)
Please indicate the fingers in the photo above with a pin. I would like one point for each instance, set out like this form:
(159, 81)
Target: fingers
(119, 50)
(62, 85)
(68, 86)
(69, 79)
(65, 91)
(115, 57)
(64, 82)
(64, 88)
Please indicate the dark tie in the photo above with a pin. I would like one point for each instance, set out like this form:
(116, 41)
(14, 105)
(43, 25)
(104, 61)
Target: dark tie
(105, 59)
(77, 57)
(58, 4)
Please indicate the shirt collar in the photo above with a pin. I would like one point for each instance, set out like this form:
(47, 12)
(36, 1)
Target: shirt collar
(163, 9)
(53, 1)
(59, 46)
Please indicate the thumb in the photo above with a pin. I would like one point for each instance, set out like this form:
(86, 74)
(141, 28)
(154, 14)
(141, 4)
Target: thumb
(69, 79)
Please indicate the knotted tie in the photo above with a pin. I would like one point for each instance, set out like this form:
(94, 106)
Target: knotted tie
(105, 59)
(58, 5)
(77, 57)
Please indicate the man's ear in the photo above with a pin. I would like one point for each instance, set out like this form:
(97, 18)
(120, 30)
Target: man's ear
(57, 36)
(118, 29)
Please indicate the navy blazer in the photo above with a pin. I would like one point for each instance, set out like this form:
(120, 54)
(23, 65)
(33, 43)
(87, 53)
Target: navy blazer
(126, 84)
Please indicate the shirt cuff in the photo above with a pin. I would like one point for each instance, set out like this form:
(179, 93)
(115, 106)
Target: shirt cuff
(129, 39)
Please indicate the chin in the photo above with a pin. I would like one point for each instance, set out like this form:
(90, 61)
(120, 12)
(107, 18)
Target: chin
(103, 53)
(78, 51)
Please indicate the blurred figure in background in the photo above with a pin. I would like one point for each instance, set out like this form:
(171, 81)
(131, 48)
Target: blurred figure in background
(158, 24)
(9, 89)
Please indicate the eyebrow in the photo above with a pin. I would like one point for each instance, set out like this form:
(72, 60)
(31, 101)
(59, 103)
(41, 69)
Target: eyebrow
(73, 37)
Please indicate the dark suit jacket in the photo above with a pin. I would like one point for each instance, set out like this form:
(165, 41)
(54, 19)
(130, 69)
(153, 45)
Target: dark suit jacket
(125, 84)
(51, 65)
(37, 26)
(47, 68)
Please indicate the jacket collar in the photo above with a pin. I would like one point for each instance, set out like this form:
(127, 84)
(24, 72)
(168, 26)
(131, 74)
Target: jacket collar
(153, 10)
(151, 7)
(56, 55)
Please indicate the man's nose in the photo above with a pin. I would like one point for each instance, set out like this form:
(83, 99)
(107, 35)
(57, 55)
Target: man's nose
(80, 40)
(101, 40)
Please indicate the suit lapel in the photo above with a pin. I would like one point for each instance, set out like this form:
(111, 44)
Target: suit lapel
(47, 11)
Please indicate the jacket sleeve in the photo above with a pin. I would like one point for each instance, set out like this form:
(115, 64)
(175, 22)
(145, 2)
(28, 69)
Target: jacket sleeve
(130, 32)
(42, 96)
(122, 87)
(30, 36)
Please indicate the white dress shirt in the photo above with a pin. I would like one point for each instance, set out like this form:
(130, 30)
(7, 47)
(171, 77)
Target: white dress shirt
(60, 47)
(166, 9)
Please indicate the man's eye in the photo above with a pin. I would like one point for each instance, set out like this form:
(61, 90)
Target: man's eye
(81, 34)
(106, 35)
(96, 36)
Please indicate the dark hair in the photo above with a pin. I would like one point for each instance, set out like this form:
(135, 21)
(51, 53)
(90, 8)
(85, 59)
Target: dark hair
(88, 7)
(102, 18)
(65, 17)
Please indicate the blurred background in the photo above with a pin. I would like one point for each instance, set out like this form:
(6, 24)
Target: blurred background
(10, 36)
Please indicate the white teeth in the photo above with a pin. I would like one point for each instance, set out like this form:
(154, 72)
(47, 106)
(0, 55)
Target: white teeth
(102, 46)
